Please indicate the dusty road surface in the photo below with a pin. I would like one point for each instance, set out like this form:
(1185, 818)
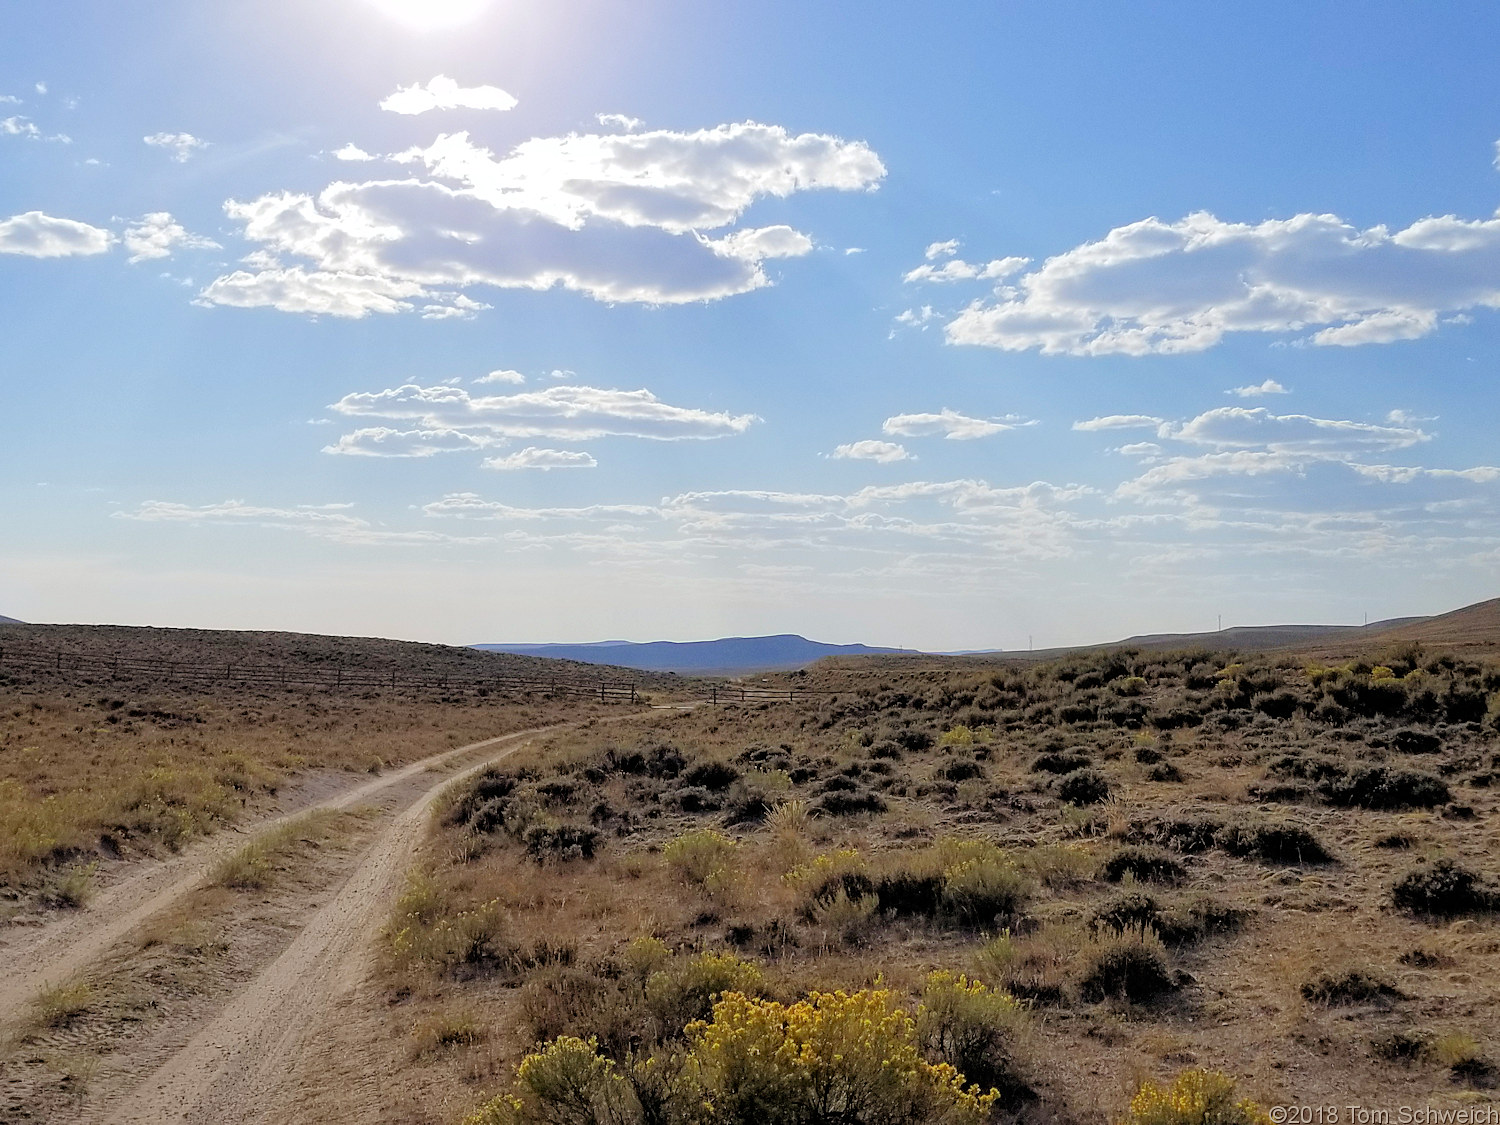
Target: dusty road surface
(69, 943)
(231, 1069)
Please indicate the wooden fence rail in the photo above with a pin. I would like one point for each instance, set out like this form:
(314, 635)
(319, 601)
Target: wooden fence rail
(338, 678)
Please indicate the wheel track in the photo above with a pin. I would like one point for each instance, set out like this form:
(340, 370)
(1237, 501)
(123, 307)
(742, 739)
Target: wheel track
(72, 942)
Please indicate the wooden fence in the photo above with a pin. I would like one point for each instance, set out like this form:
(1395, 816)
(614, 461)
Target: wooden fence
(336, 678)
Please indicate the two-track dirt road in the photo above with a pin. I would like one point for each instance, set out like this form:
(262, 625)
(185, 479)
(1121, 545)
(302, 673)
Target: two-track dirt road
(233, 1061)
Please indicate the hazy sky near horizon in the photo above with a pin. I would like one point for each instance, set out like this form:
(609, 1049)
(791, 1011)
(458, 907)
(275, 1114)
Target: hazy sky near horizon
(941, 325)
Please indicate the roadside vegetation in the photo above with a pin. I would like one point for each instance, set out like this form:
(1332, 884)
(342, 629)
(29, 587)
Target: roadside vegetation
(92, 771)
(1123, 886)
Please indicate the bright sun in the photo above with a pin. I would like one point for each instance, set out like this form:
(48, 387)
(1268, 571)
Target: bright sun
(429, 15)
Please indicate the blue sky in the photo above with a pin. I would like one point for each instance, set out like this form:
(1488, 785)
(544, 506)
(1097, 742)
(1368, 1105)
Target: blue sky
(944, 326)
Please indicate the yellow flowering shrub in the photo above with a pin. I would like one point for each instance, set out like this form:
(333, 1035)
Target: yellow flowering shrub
(971, 1026)
(1195, 1097)
(848, 1057)
(568, 1083)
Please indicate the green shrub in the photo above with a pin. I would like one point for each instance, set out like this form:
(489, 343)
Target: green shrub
(1128, 968)
(1059, 762)
(1143, 864)
(697, 856)
(981, 883)
(1379, 787)
(1352, 986)
(1442, 889)
(1274, 843)
(1083, 787)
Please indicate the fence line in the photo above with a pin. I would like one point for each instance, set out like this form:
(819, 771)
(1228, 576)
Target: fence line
(339, 678)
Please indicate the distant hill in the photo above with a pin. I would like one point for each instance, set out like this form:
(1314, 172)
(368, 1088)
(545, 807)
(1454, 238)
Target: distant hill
(9, 620)
(1474, 626)
(729, 656)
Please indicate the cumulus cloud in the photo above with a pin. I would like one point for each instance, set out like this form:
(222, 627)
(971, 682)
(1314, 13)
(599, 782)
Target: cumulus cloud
(533, 458)
(1119, 422)
(1256, 390)
(385, 441)
(421, 421)
(443, 92)
(956, 269)
(619, 217)
(502, 376)
(318, 292)
(352, 151)
(157, 235)
(180, 145)
(38, 235)
(949, 424)
(1159, 287)
(884, 452)
(619, 121)
(19, 127)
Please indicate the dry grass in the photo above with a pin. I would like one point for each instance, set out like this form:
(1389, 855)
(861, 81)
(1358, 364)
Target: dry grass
(94, 770)
(257, 864)
(826, 844)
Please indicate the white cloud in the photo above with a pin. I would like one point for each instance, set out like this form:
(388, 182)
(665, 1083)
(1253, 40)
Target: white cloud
(619, 121)
(459, 307)
(19, 127)
(1119, 422)
(384, 441)
(41, 87)
(936, 250)
(1139, 449)
(948, 423)
(1299, 434)
(1256, 390)
(884, 452)
(1407, 418)
(180, 145)
(352, 151)
(157, 235)
(37, 235)
(757, 243)
(1157, 287)
(956, 269)
(444, 93)
(328, 521)
(502, 376)
(575, 412)
(9, 99)
(327, 292)
(618, 217)
(533, 458)
(915, 318)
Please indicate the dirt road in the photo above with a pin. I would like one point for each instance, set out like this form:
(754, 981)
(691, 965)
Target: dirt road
(55, 951)
(231, 1069)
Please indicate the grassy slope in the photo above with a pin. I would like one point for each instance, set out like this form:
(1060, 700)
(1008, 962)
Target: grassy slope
(91, 767)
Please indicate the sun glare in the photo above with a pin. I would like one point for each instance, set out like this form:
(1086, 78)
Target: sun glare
(432, 15)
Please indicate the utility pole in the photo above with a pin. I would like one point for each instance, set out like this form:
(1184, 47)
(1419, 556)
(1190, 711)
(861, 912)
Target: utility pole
(1221, 622)
(1029, 645)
